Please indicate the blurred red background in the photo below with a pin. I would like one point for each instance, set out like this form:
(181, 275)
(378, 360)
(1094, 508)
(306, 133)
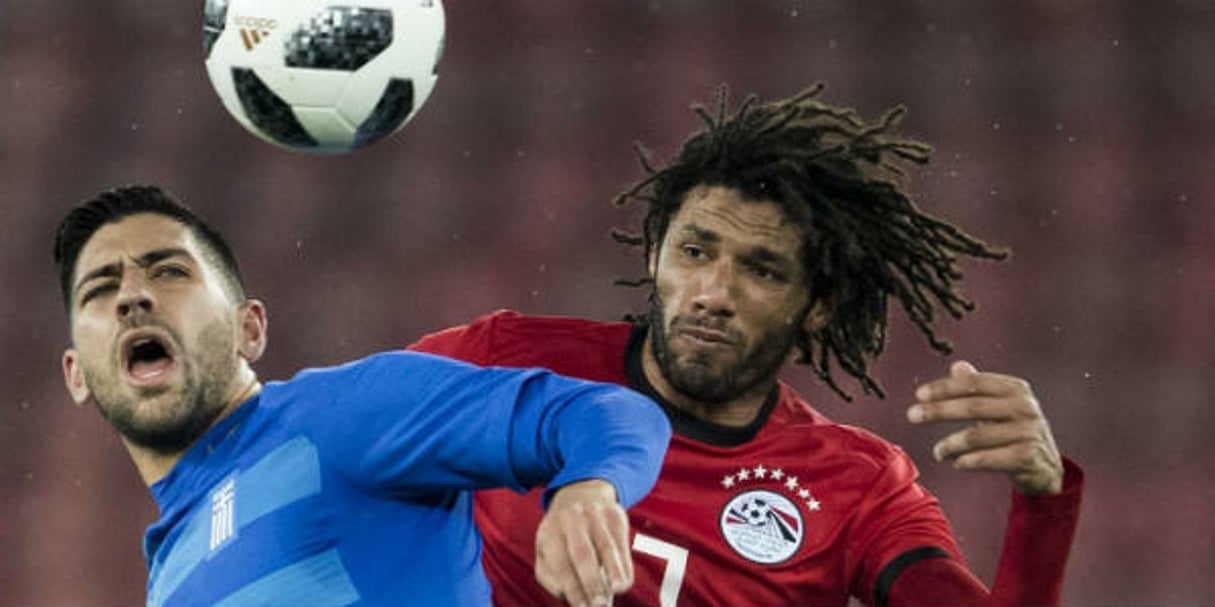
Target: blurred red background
(1075, 133)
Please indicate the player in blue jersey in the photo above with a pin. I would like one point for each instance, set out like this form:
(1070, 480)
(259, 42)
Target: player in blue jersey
(308, 491)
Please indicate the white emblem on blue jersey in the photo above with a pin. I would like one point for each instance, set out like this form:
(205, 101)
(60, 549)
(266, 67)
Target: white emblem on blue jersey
(223, 513)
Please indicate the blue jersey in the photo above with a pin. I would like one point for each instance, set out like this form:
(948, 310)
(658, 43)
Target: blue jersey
(351, 485)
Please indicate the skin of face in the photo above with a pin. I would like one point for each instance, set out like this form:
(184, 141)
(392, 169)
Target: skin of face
(158, 343)
(730, 297)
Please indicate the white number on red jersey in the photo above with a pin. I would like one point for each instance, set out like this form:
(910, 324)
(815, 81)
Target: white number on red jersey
(677, 562)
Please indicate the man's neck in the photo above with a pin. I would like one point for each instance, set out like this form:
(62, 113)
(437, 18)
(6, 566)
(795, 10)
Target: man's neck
(153, 465)
(736, 413)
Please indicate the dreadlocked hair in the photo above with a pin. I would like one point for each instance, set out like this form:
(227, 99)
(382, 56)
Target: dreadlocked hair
(837, 177)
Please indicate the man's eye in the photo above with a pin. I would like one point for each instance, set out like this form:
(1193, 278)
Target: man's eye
(96, 291)
(768, 274)
(693, 251)
(170, 271)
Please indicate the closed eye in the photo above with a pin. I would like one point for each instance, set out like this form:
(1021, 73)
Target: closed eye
(96, 291)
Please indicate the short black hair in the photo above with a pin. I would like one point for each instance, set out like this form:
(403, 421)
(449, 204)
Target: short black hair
(113, 205)
(838, 178)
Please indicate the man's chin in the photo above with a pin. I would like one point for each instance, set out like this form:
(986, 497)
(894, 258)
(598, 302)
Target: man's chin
(162, 436)
(702, 382)
(714, 361)
(150, 391)
(153, 423)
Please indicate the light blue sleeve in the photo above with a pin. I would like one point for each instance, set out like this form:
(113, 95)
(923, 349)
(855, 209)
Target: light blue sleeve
(412, 423)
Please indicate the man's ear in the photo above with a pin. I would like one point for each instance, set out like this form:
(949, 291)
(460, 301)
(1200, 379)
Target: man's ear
(73, 376)
(252, 330)
(651, 262)
(818, 316)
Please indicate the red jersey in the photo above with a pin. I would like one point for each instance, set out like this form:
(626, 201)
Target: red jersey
(791, 510)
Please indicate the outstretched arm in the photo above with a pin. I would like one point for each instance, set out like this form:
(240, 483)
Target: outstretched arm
(1037, 539)
(582, 550)
(1007, 433)
(428, 425)
(583, 518)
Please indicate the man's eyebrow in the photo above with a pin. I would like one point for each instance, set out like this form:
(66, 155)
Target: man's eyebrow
(145, 260)
(757, 253)
(108, 270)
(154, 256)
(700, 233)
(764, 254)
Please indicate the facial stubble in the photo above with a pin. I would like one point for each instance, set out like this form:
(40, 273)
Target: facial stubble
(181, 413)
(753, 371)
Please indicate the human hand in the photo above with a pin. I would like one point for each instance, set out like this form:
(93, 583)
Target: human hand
(1007, 431)
(582, 545)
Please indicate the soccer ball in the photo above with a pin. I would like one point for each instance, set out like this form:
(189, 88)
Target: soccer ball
(325, 76)
(755, 512)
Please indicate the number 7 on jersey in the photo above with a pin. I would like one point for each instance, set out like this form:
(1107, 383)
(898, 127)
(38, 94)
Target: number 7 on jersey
(676, 558)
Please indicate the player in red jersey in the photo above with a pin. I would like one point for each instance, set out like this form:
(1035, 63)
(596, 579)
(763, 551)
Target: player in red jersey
(780, 229)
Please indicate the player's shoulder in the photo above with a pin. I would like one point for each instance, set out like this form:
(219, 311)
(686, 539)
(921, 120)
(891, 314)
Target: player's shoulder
(508, 329)
(395, 363)
(578, 347)
(513, 322)
(796, 418)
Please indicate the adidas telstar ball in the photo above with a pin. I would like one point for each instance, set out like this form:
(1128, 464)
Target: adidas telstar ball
(325, 76)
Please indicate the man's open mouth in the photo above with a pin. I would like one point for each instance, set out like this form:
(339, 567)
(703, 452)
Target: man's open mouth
(147, 358)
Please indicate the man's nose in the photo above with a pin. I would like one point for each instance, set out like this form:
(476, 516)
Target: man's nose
(134, 296)
(714, 293)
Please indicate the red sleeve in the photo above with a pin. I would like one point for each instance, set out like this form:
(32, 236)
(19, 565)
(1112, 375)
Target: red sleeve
(1037, 541)
(897, 524)
(470, 343)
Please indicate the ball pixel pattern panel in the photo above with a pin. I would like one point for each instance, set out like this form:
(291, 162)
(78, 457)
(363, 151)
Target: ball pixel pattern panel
(340, 38)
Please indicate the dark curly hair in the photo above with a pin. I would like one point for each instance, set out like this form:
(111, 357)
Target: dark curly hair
(837, 177)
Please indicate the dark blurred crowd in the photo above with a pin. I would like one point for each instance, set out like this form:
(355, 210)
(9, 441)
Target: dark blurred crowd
(1077, 135)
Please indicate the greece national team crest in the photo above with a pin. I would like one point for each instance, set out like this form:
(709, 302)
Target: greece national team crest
(223, 514)
(764, 523)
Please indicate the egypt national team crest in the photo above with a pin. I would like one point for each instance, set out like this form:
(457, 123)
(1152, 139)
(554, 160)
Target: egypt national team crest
(763, 524)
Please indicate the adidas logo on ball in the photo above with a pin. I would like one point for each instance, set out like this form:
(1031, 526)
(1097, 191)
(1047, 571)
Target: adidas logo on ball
(253, 29)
